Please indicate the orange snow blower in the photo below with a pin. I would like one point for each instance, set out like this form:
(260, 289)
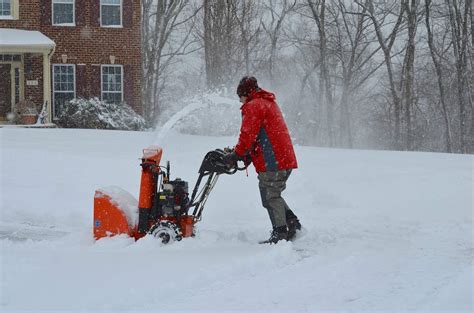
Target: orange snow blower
(163, 208)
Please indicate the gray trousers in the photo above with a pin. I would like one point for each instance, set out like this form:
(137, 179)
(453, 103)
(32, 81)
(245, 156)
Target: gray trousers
(271, 186)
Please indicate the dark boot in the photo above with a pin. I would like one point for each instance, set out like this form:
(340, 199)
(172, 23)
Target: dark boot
(278, 233)
(293, 225)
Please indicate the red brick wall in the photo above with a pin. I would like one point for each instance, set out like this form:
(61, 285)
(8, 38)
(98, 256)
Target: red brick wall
(29, 16)
(34, 71)
(5, 90)
(88, 43)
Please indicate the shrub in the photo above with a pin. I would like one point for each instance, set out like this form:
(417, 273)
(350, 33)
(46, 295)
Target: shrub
(97, 114)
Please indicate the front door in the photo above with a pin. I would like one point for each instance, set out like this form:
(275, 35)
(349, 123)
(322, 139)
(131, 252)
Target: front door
(5, 91)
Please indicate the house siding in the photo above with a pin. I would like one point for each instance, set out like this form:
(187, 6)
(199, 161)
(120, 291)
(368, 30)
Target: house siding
(87, 45)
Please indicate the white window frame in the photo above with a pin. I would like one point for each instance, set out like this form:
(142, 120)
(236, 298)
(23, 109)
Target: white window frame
(73, 13)
(61, 91)
(121, 15)
(10, 16)
(102, 83)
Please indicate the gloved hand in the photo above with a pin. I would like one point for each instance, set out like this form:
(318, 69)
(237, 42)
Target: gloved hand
(230, 159)
(247, 160)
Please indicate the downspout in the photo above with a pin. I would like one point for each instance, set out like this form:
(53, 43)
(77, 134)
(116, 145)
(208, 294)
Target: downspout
(47, 83)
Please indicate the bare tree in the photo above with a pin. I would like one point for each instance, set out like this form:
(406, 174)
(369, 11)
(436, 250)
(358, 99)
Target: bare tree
(318, 10)
(230, 39)
(247, 15)
(354, 48)
(411, 11)
(161, 19)
(342, 48)
(386, 43)
(220, 41)
(322, 56)
(437, 56)
(273, 28)
(458, 17)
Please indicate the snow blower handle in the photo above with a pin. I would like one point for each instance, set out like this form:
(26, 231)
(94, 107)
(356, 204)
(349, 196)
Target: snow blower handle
(214, 164)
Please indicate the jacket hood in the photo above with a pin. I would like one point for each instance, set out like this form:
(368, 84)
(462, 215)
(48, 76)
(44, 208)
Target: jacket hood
(261, 94)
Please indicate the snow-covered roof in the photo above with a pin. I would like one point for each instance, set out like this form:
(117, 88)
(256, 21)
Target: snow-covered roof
(18, 40)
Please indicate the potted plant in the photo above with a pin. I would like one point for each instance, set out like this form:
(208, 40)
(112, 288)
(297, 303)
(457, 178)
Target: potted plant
(27, 112)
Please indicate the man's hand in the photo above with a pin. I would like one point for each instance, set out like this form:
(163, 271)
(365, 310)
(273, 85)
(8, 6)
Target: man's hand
(231, 159)
(247, 160)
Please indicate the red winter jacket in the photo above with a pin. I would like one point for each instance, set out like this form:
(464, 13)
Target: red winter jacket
(264, 134)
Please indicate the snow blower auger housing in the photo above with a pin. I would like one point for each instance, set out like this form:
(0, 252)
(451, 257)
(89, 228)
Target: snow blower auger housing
(163, 208)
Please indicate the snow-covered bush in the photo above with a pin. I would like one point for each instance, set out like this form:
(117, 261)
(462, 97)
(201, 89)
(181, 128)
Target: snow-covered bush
(97, 114)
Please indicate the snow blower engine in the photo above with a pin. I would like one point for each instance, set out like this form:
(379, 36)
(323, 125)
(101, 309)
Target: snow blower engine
(164, 208)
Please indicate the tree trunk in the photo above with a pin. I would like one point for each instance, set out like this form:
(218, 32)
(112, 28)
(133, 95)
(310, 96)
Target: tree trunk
(319, 17)
(346, 133)
(386, 44)
(459, 30)
(439, 76)
(411, 10)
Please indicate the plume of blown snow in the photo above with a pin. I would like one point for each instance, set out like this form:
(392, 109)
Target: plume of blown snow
(207, 114)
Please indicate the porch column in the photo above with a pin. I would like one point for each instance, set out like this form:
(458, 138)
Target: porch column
(47, 85)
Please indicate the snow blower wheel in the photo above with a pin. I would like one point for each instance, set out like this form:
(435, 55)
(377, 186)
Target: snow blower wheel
(166, 231)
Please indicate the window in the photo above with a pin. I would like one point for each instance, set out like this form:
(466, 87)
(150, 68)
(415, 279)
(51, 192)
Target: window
(64, 89)
(17, 84)
(111, 13)
(112, 82)
(10, 57)
(63, 12)
(5, 8)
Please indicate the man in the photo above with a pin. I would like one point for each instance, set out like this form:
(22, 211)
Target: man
(264, 138)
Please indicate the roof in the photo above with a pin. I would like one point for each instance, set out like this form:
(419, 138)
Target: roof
(22, 41)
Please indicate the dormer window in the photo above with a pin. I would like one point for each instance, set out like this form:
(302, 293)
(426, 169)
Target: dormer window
(5, 8)
(63, 12)
(111, 13)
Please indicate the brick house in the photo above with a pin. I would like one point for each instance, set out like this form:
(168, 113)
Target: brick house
(56, 50)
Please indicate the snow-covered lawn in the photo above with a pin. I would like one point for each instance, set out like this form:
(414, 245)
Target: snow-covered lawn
(384, 231)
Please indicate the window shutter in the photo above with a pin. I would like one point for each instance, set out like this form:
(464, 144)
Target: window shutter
(128, 96)
(80, 9)
(127, 13)
(95, 13)
(81, 86)
(46, 12)
(96, 88)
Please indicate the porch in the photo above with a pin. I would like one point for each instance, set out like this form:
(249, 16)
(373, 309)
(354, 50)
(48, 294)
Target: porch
(25, 75)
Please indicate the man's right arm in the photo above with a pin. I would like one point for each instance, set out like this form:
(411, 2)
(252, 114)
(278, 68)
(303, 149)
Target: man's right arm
(251, 123)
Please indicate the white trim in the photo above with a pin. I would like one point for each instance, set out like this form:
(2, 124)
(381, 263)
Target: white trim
(14, 65)
(61, 91)
(12, 87)
(73, 13)
(16, 9)
(121, 15)
(121, 80)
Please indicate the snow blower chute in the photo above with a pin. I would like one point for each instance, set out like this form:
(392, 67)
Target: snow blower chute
(164, 208)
